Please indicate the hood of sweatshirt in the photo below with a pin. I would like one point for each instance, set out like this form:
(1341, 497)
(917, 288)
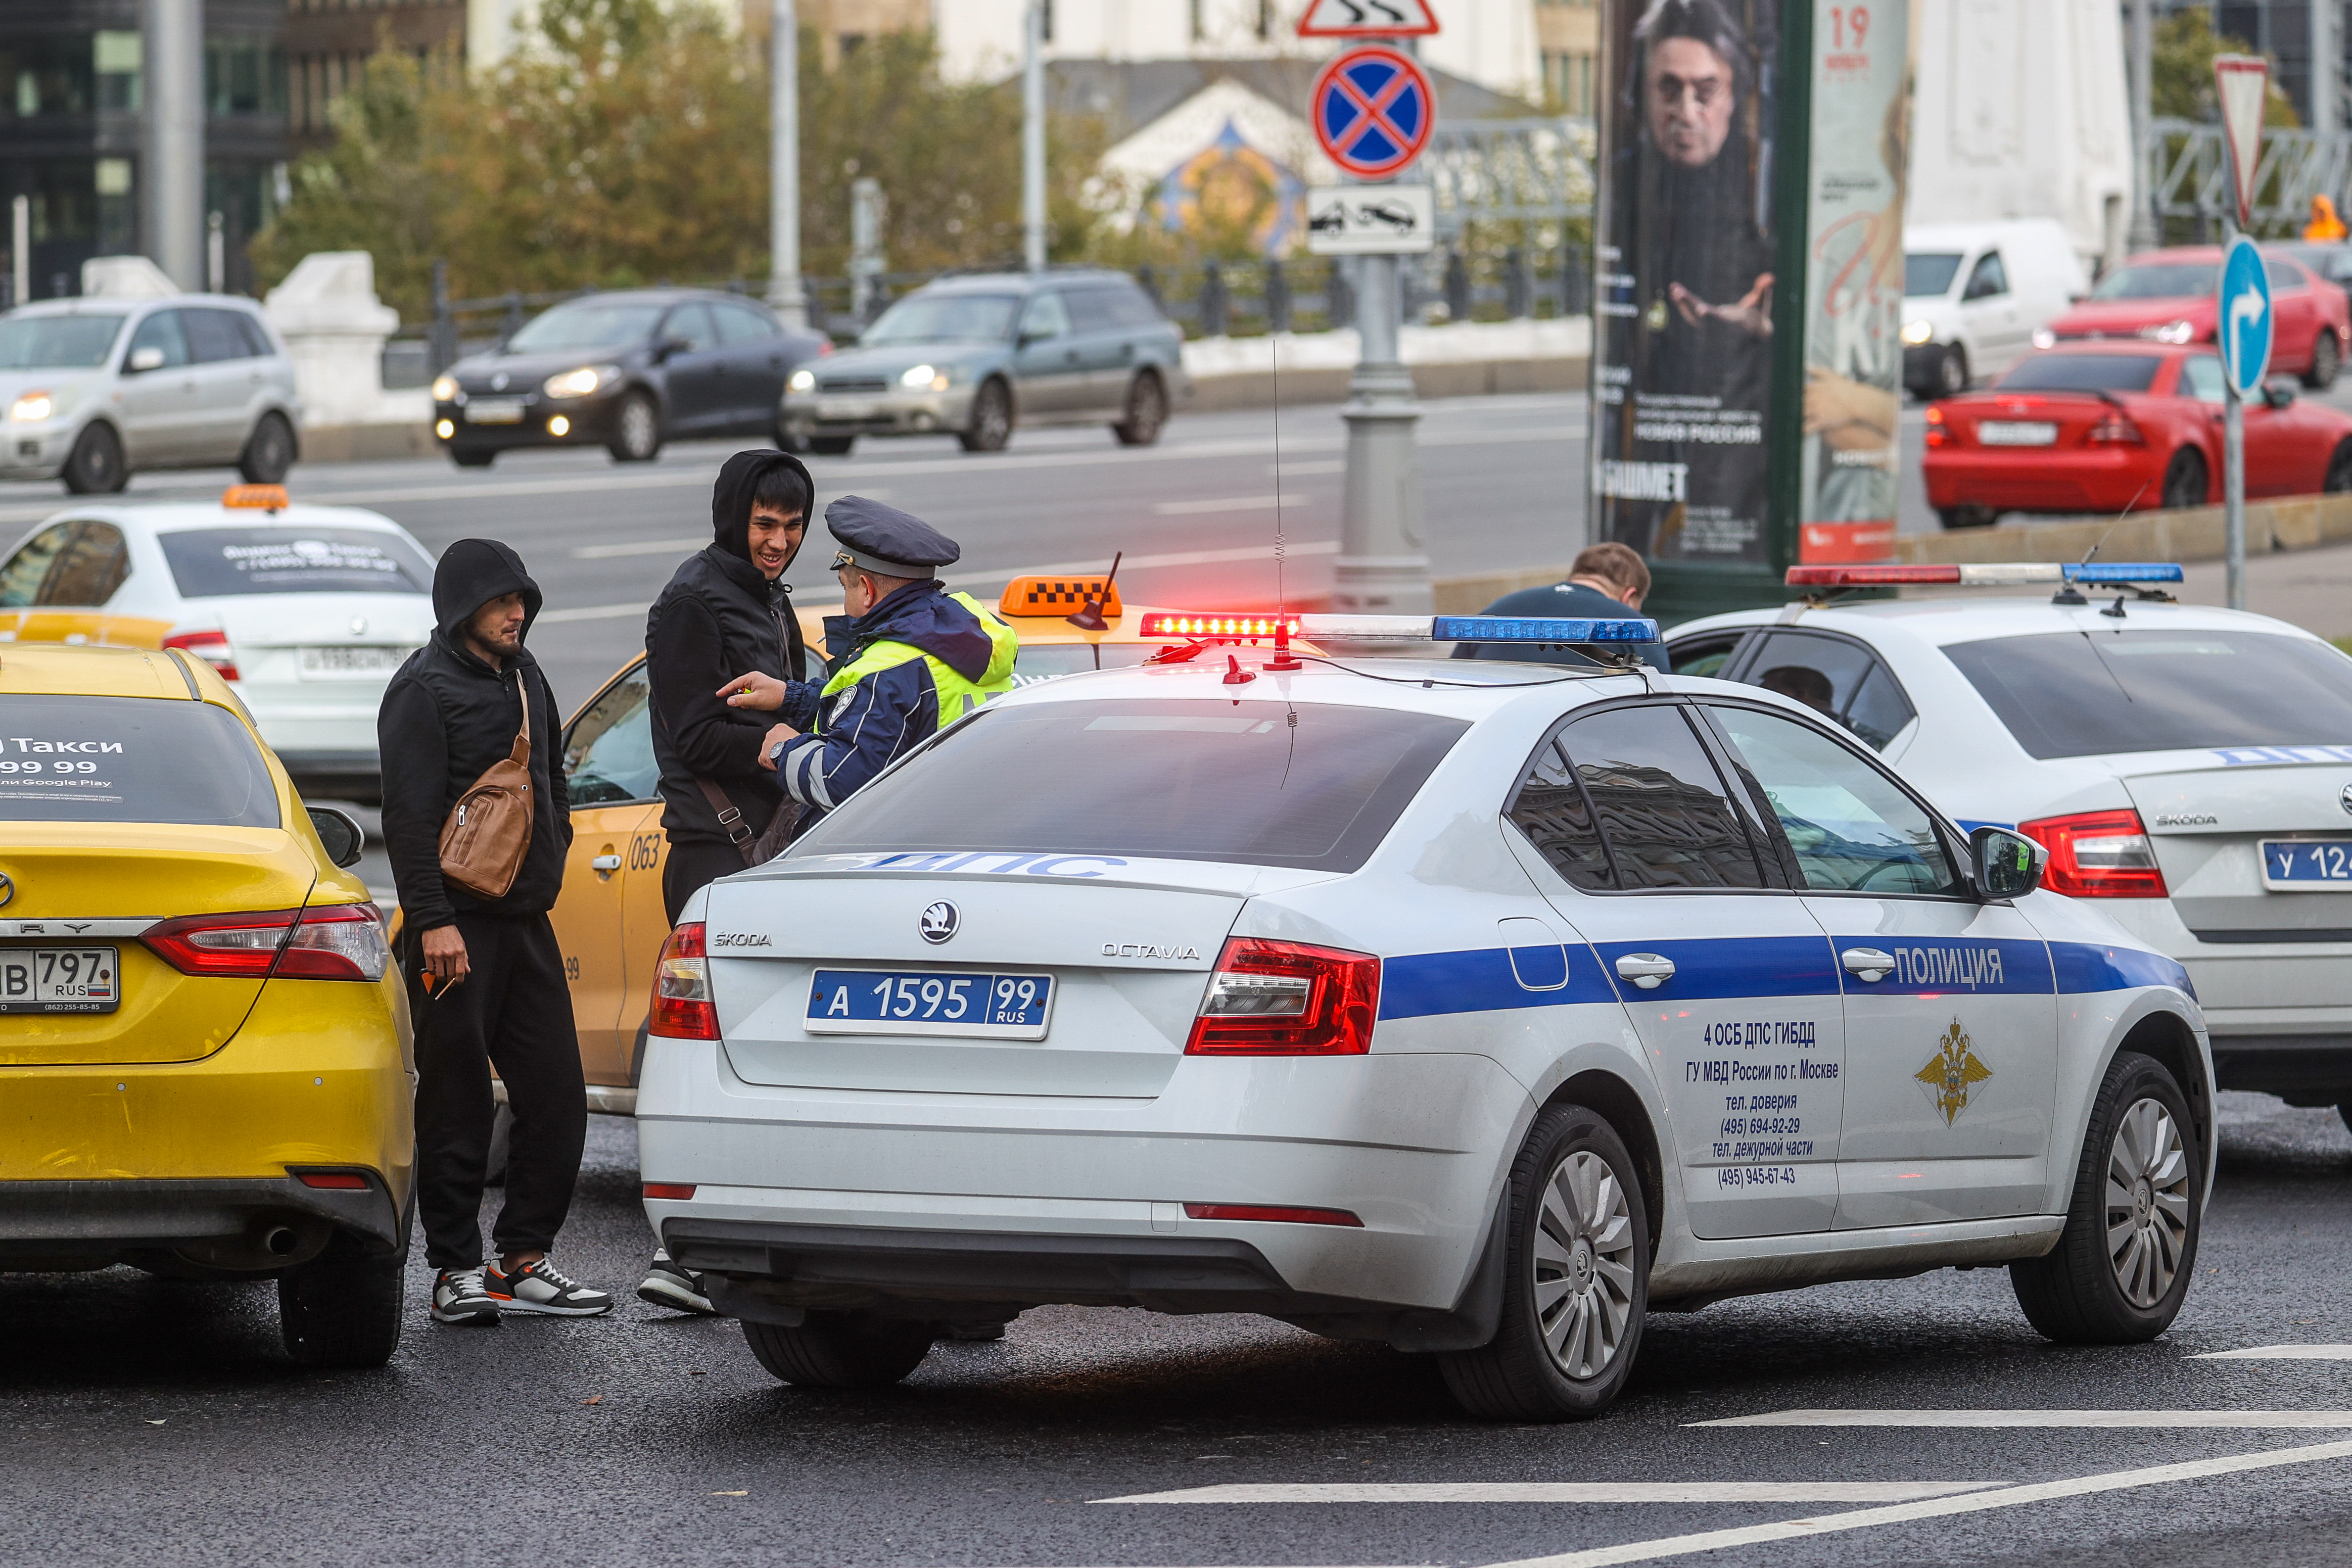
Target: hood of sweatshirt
(470, 574)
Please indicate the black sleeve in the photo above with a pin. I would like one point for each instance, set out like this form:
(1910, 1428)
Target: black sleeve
(415, 752)
(683, 660)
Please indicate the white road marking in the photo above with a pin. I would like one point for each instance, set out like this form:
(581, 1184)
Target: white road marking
(2280, 1352)
(1566, 1492)
(1905, 1513)
(2249, 1420)
(1227, 504)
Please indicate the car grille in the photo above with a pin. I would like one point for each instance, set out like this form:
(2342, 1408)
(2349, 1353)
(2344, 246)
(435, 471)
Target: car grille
(856, 384)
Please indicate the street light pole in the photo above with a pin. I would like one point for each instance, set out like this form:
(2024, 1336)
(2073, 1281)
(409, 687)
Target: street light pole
(784, 293)
(1033, 137)
(172, 180)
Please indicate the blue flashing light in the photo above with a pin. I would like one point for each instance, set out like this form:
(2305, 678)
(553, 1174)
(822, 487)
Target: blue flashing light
(1540, 629)
(2126, 571)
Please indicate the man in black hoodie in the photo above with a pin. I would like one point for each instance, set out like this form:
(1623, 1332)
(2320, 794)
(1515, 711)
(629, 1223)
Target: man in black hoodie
(485, 977)
(726, 609)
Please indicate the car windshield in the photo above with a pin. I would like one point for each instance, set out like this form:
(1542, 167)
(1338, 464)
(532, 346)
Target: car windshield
(2159, 280)
(211, 563)
(1308, 785)
(2074, 694)
(2082, 372)
(57, 342)
(129, 760)
(1928, 273)
(945, 318)
(594, 324)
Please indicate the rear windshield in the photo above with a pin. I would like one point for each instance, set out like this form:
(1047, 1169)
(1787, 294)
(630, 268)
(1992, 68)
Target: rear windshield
(211, 563)
(1199, 779)
(2082, 372)
(2072, 694)
(129, 760)
(1929, 272)
(2159, 280)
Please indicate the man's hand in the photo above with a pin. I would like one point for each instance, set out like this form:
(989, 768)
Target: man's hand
(769, 742)
(754, 690)
(445, 956)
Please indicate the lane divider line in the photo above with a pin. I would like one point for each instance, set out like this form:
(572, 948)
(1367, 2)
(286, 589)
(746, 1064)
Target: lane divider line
(2243, 1420)
(1905, 1513)
(1564, 1491)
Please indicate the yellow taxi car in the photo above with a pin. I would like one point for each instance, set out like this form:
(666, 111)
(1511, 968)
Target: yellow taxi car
(204, 1046)
(611, 920)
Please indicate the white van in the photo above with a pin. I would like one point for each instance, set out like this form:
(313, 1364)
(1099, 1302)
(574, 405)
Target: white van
(1975, 294)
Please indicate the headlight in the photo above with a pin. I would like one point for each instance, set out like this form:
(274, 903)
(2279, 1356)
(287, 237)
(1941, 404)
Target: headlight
(445, 389)
(801, 382)
(1918, 332)
(2172, 332)
(581, 383)
(2043, 337)
(32, 408)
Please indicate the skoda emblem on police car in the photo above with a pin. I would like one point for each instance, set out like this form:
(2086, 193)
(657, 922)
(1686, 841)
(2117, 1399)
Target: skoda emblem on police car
(1951, 1073)
(7, 888)
(938, 921)
(2344, 798)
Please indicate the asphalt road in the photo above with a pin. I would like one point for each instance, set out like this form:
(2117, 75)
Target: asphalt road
(151, 1421)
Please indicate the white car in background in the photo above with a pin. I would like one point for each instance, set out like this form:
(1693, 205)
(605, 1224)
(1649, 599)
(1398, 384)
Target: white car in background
(308, 611)
(2188, 769)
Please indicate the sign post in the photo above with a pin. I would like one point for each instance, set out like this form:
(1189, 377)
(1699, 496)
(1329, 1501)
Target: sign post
(2243, 332)
(1372, 108)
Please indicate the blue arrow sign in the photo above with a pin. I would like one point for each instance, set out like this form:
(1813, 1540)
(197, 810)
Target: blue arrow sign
(2246, 327)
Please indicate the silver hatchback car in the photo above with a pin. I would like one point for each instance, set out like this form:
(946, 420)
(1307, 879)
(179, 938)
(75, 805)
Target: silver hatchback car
(96, 389)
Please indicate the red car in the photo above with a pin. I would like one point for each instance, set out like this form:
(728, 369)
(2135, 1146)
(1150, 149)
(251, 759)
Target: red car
(2110, 426)
(2167, 297)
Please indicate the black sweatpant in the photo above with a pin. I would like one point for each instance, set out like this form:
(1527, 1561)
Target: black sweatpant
(693, 865)
(513, 1010)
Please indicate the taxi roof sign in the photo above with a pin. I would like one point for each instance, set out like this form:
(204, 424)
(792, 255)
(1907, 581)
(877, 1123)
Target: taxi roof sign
(1985, 574)
(1061, 595)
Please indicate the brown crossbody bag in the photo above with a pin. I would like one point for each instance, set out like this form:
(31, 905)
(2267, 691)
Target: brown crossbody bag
(488, 830)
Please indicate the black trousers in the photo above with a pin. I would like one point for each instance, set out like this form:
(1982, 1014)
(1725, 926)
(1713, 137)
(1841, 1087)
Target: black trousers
(513, 1010)
(693, 865)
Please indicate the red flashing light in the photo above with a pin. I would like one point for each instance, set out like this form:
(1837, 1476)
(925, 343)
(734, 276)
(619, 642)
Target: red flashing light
(1288, 998)
(1164, 625)
(332, 1181)
(336, 942)
(669, 1191)
(212, 647)
(682, 1006)
(1280, 1214)
(1869, 575)
(2097, 854)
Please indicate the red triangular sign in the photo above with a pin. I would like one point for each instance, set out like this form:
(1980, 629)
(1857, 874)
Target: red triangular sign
(1367, 20)
(2241, 83)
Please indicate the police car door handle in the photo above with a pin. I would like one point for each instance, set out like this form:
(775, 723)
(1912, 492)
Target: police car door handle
(1867, 963)
(1647, 970)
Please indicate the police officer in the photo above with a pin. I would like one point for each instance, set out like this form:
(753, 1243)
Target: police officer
(908, 657)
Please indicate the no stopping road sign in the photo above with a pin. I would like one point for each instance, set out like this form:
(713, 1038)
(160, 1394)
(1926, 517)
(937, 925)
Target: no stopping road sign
(1373, 109)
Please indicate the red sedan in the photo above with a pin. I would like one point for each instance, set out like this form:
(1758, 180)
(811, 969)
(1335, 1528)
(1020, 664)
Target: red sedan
(2167, 297)
(2110, 427)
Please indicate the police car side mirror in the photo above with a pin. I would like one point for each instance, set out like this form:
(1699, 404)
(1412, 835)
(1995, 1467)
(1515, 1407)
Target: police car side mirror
(339, 834)
(2007, 866)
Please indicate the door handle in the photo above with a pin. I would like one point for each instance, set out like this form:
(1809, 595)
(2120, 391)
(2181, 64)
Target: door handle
(1647, 970)
(607, 865)
(1867, 963)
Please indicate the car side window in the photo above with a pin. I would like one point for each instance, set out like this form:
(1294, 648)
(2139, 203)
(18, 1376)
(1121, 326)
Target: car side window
(692, 322)
(1046, 316)
(1988, 278)
(608, 753)
(214, 336)
(741, 324)
(162, 330)
(2284, 275)
(20, 580)
(1840, 680)
(1852, 828)
(2201, 378)
(1666, 817)
(90, 569)
(1551, 808)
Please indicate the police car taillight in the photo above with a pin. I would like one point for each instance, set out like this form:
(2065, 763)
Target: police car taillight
(1988, 574)
(1288, 998)
(2097, 854)
(682, 1006)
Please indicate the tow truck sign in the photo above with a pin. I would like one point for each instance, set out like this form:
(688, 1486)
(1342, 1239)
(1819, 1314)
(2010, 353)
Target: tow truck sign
(1371, 220)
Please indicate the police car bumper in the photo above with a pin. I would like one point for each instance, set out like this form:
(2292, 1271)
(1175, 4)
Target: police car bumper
(831, 1199)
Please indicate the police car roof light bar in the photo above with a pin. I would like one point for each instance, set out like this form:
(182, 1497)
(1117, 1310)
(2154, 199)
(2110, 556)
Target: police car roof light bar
(1989, 574)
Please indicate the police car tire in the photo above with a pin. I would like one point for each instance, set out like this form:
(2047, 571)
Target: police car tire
(841, 1349)
(1515, 1377)
(2071, 1293)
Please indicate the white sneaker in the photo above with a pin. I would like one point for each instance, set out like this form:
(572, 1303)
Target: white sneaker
(540, 1287)
(463, 1296)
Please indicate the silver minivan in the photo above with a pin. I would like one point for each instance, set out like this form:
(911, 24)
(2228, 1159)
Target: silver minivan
(97, 389)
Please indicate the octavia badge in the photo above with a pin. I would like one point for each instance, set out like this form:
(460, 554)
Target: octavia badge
(939, 920)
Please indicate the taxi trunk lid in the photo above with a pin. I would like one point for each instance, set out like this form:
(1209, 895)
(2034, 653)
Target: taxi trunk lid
(1128, 944)
(2207, 822)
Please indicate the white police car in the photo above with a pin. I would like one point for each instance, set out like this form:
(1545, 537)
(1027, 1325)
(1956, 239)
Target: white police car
(2189, 768)
(1479, 1008)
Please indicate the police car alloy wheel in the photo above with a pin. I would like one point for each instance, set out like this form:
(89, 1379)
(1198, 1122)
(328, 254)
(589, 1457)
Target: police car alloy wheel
(1577, 1287)
(2123, 1262)
(841, 1349)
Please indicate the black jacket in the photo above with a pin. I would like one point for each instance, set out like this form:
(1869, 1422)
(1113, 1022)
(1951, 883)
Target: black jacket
(718, 618)
(447, 717)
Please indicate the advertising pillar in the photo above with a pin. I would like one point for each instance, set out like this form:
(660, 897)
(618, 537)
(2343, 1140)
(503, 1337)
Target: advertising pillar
(1746, 372)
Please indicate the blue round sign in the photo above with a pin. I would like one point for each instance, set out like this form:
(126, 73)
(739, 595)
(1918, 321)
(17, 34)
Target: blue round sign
(2245, 328)
(1372, 111)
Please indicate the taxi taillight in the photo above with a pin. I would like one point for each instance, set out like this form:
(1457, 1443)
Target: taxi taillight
(1288, 998)
(2097, 854)
(332, 942)
(682, 1007)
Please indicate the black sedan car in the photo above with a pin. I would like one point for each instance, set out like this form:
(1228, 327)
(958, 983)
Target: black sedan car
(627, 370)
